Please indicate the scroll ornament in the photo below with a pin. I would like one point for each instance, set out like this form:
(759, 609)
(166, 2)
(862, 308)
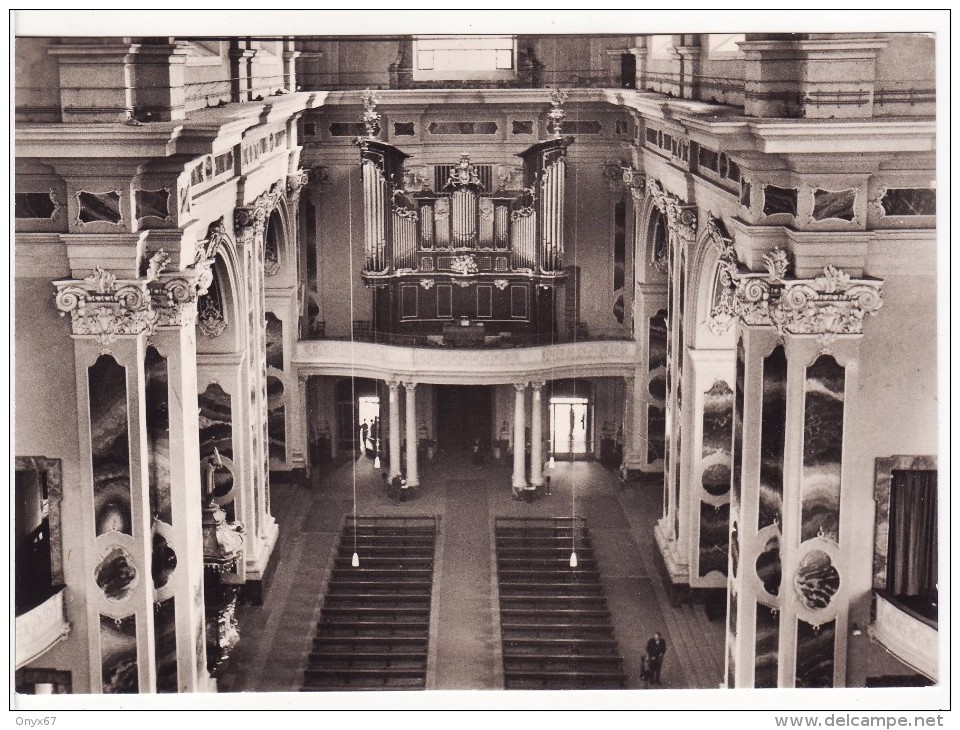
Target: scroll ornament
(828, 305)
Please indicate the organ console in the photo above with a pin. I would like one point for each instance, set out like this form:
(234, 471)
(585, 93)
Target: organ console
(463, 250)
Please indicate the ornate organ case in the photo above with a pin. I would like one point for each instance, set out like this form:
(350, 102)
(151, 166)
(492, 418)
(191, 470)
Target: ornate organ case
(463, 250)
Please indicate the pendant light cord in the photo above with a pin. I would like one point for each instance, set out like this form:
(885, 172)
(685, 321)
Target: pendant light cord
(353, 361)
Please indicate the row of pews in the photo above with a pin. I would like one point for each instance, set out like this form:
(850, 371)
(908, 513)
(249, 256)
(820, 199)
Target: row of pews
(554, 620)
(374, 626)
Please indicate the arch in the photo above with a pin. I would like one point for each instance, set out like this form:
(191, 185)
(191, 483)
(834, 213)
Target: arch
(652, 222)
(274, 241)
(220, 329)
(713, 250)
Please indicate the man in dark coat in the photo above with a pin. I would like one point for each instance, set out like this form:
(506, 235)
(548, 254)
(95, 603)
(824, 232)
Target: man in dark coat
(656, 648)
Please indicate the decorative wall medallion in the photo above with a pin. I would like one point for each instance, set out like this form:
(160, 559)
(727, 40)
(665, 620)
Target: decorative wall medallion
(834, 204)
(501, 284)
(99, 207)
(116, 575)
(817, 580)
(427, 283)
(153, 204)
(210, 320)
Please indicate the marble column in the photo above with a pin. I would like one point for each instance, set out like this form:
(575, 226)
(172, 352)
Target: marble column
(410, 389)
(135, 358)
(797, 366)
(519, 436)
(302, 433)
(394, 434)
(536, 434)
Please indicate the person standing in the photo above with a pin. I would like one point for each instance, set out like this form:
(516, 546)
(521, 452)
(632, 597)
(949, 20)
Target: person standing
(656, 649)
(364, 430)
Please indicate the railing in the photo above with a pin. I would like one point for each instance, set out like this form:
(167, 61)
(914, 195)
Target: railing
(41, 628)
(504, 340)
(906, 634)
(485, 366)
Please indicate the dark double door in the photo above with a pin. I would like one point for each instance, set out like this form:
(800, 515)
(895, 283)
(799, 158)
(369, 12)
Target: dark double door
(464, 413)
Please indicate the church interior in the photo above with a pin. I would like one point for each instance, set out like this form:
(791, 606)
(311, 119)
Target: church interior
(409, 362)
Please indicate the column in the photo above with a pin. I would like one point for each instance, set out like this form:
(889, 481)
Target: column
(410, 389)
(394, 434)
(707, 459)
(301, 428)
(536, 434)
(519, 437)
(185, 537)
(796, 377)
(135, 356)
(629, 418)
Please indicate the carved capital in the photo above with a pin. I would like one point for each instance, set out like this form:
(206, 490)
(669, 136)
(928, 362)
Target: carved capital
(635, 181)
(296, 181)
(537, 385)
(829, 305)
(250, 221)
(174, 299)
(105, 307)
(520, 387)
(409, 386)
(682, 221)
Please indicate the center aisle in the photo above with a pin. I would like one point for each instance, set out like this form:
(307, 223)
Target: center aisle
(466, 640)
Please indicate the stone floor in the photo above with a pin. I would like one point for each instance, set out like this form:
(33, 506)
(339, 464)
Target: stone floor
(465, 641)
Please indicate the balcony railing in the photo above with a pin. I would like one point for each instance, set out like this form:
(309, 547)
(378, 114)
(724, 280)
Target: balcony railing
(40, 628)
(505, 340)
(907, 634)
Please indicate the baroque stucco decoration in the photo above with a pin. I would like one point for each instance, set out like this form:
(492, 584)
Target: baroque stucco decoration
(723, 311)
(828, 305)
(681, 219)
(250, 226)
(635, 181)
(104, 307)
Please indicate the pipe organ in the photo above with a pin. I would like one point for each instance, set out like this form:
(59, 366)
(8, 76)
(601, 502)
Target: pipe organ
(463, 250)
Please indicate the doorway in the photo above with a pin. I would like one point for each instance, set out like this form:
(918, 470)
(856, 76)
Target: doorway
(628, 71)
(464, 413)
(570, 426)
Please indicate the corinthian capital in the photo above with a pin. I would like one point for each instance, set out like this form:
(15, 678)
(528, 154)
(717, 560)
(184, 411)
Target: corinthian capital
(828, 305)
(105, 307)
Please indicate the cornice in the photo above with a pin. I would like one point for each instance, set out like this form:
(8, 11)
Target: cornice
(97, 140)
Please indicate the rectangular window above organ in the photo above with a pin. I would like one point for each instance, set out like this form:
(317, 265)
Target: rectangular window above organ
(448, 57)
